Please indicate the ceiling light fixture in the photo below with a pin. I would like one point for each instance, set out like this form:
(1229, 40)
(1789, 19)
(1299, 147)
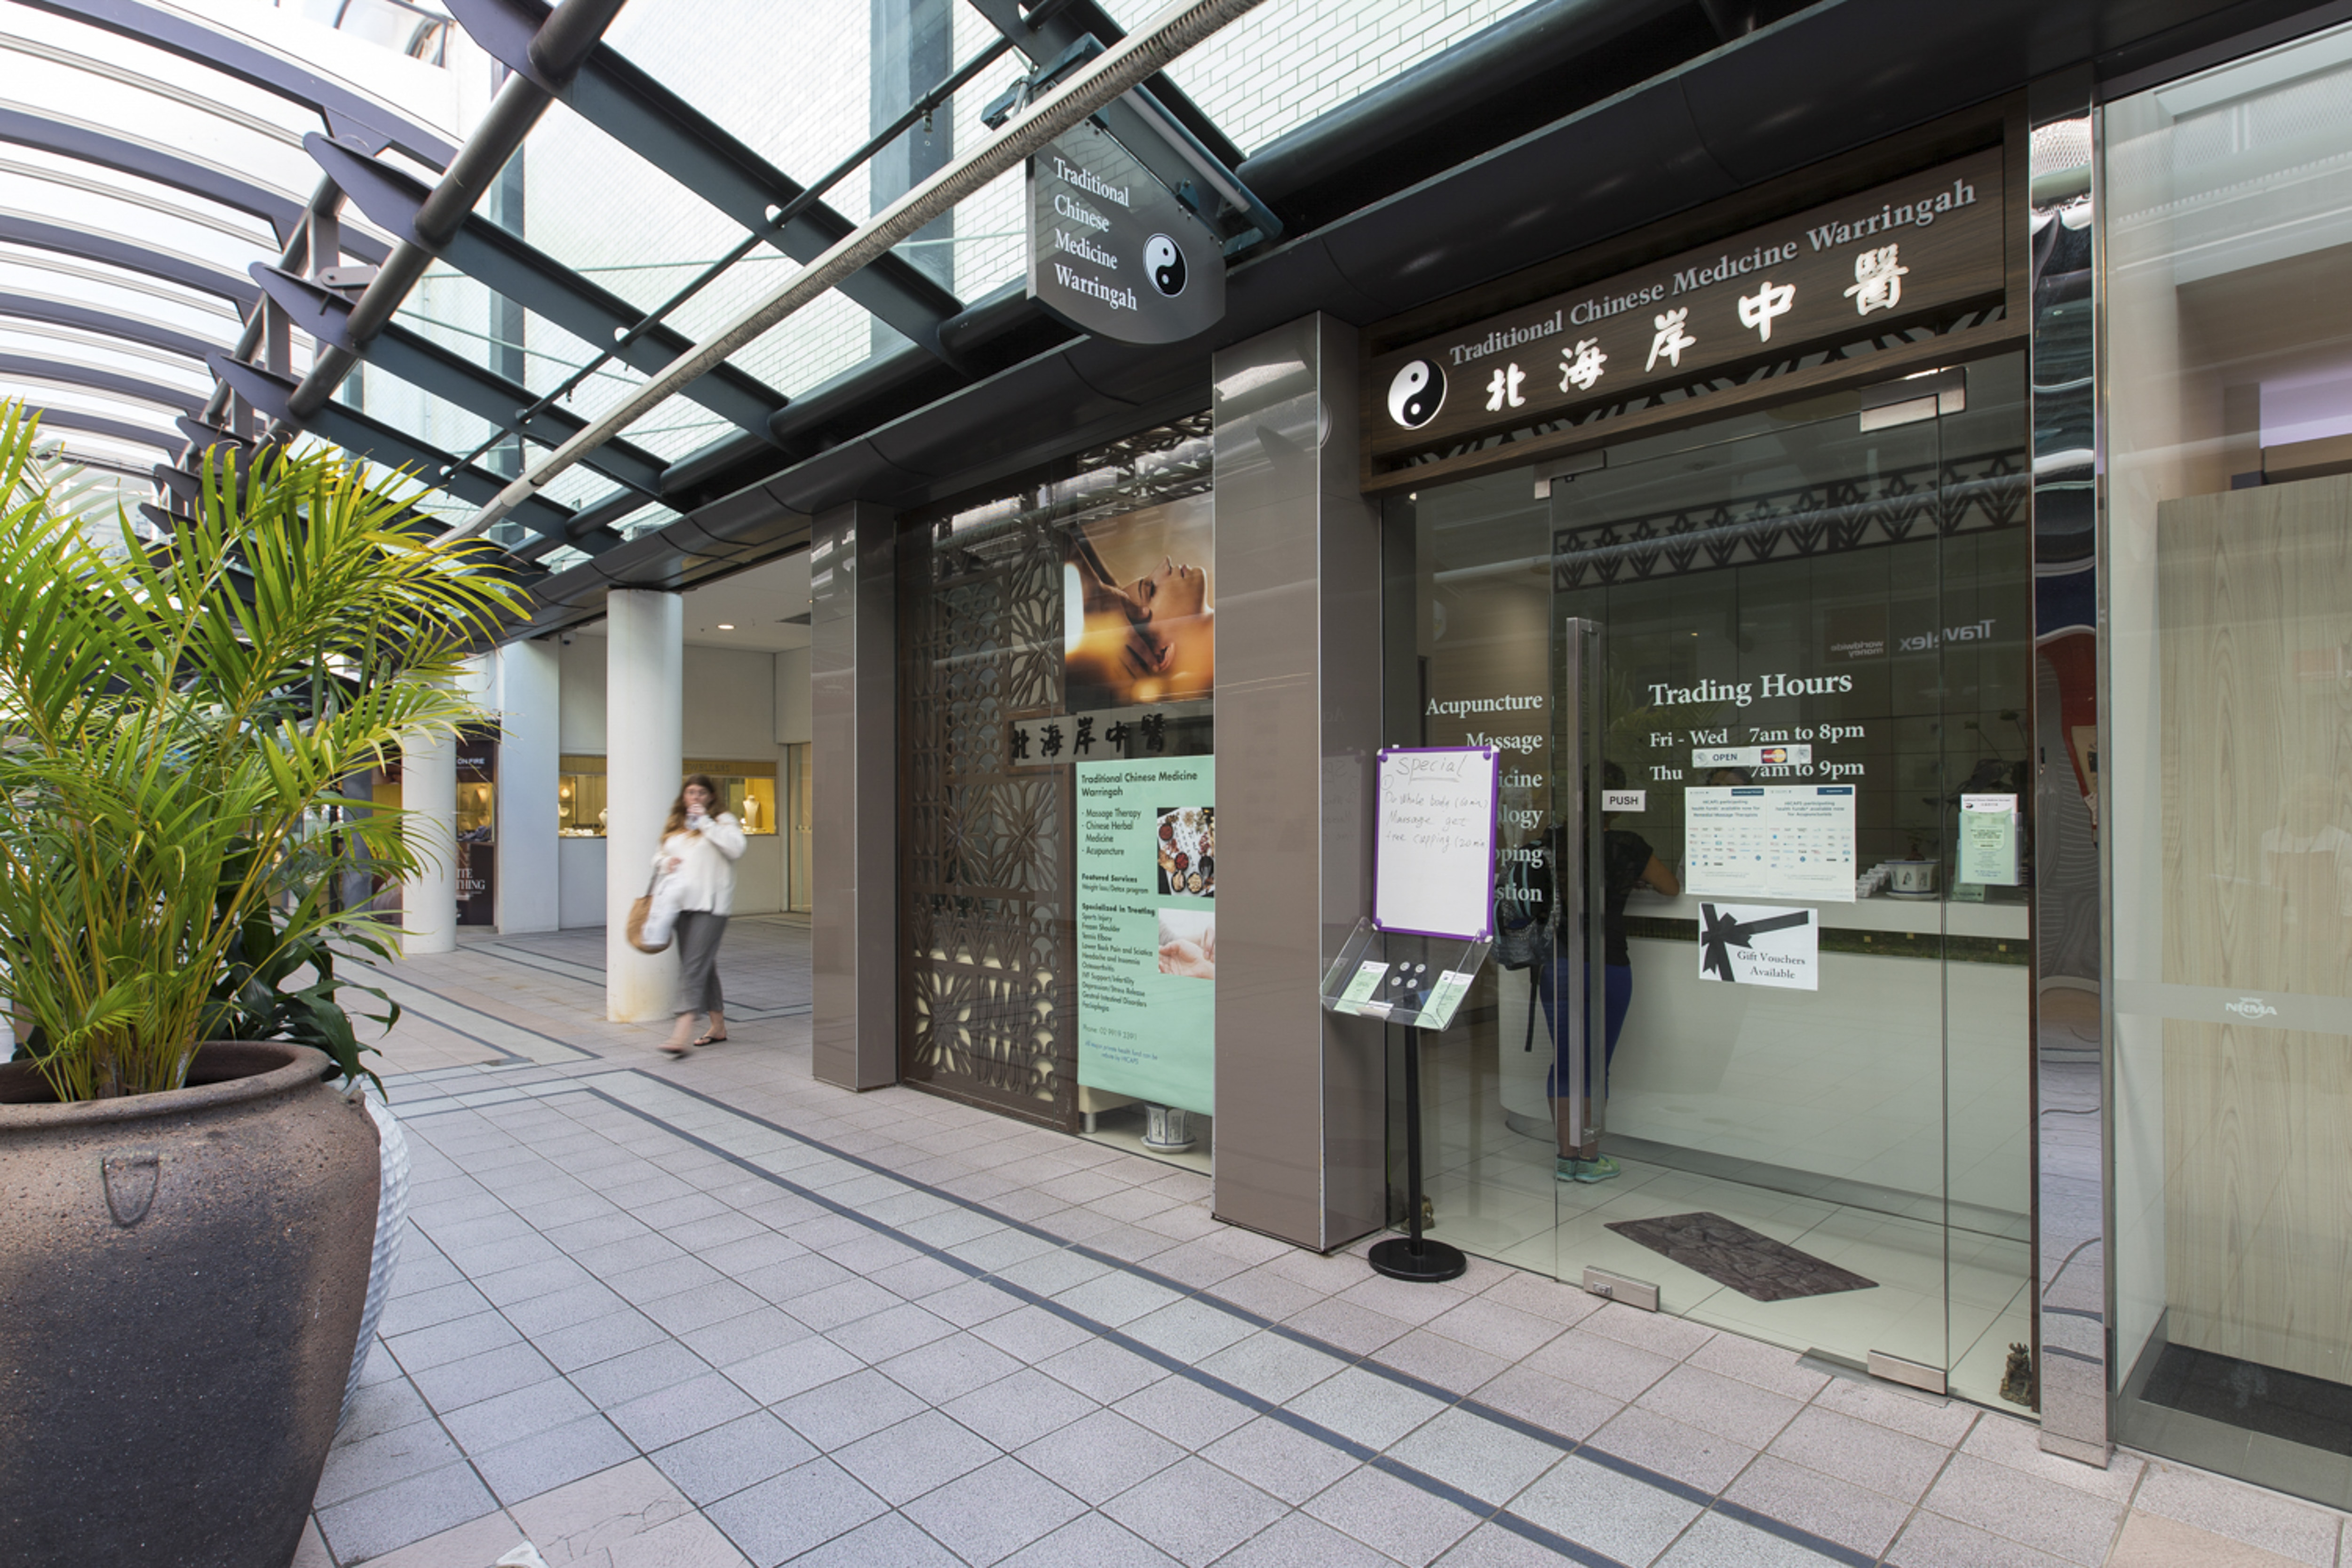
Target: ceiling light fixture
(726, 626)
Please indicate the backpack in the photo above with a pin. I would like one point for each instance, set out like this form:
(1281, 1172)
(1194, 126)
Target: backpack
(1523, 917)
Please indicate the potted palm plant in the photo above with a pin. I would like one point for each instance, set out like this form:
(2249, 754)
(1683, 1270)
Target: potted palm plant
(186, 1221)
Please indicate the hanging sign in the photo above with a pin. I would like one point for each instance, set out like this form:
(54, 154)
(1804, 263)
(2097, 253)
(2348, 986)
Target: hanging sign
(1863, 264)
(1434, 847)
(1112, 252)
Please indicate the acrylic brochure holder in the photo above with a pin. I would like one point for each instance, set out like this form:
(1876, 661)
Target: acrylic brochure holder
(1402, 977)
(1434, 869)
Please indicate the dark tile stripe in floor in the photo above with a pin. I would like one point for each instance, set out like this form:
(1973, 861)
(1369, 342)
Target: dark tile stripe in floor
(1630, 1469)
(593, 977)
(590, 1082)
(1828, 1550)
(437, 1015)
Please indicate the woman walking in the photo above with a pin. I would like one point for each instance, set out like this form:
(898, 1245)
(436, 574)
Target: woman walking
(699, 847)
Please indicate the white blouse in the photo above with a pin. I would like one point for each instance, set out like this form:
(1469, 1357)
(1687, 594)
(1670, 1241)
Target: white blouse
(705, 877)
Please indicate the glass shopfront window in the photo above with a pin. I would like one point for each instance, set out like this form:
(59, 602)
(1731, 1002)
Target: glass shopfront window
(1057, 907)
(800, 825)
(1811, 719)
(747, 791)
(2227, 367)
(580, 797)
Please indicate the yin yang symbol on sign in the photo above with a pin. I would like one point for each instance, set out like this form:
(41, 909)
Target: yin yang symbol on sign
(1417, 393)
(1166, 265)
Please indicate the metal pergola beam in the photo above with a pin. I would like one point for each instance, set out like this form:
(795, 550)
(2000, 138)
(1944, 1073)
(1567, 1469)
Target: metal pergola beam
(100, 425)
(379, 443)
(1046, 30)
(1150, 121)
(116, 250)
(146, 161)
(107, 323)
(444, 374)
(113, 383)
(346, 112)
(505, 264)
(617, 98)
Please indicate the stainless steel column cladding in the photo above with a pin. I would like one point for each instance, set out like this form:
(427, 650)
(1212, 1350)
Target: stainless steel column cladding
(853, 706)
(2070, 1145)
(1301, 1095)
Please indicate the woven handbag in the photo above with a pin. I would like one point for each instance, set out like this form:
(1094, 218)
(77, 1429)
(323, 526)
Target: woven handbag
(640, 909)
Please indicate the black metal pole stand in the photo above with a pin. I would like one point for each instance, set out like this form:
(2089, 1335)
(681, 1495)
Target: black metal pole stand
(1415, 1257)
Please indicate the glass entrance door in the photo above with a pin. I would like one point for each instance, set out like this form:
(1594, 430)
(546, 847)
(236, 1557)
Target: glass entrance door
(1807, 636)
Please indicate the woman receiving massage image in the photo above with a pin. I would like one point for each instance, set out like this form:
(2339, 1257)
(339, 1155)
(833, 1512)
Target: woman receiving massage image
(1150, 640)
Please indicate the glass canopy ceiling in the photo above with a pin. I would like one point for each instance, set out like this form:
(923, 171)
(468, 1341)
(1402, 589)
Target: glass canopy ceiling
(195, 204)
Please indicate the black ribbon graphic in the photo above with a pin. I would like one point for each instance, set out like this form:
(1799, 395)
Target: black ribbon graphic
(1723, 934)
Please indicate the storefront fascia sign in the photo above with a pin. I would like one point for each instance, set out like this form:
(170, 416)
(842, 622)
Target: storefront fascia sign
(1863, 263)
(1112, 252)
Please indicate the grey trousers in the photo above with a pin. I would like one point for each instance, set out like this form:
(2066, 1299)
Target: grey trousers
(698, 934)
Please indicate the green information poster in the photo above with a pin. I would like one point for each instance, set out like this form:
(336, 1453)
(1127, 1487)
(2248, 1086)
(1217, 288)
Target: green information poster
(1147, 930)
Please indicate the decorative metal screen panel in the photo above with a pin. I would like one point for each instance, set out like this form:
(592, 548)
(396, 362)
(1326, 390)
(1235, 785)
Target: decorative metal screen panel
(1929, 501)
(987, 920)
(989, 1001)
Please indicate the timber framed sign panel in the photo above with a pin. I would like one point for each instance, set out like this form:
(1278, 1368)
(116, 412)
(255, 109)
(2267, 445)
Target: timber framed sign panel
(1870, 261)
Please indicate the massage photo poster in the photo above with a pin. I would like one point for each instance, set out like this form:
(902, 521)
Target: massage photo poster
(1147, 892)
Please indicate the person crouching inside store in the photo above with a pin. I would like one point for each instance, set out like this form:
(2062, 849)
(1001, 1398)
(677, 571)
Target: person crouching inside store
(699, 847)
(1627, 861)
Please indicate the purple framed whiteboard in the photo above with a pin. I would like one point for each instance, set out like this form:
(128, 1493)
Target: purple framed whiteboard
(1433, 841)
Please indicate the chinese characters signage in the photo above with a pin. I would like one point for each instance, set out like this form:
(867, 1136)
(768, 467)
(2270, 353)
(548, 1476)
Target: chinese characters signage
(1918, 244)
(1172, 729)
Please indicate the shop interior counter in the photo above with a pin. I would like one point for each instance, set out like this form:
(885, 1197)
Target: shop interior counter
(1919, 1002)
(1954, 916)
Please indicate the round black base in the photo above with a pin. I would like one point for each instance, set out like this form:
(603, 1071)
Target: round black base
(1395, 1258)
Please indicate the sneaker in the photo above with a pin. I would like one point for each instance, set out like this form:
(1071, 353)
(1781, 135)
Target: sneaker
(1571, 1171)
(1601, 1170)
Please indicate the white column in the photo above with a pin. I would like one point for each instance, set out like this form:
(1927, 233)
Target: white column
(529, 690)
(428, 796)
(645, 738)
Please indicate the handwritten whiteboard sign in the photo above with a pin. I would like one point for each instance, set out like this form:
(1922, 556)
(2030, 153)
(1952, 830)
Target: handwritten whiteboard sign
(1433, 853)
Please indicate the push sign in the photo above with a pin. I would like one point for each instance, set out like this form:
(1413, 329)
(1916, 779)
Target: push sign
(1112, 252)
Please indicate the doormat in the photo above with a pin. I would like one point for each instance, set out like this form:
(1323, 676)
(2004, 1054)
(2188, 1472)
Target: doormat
(1728, 1253)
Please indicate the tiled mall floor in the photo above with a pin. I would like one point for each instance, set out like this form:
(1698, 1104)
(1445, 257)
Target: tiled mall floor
(1955, 1297)
(711, 1313)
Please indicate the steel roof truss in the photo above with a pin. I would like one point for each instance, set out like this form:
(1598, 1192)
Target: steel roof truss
(346, 112)
(617, 98)
(449, 375)
(112, 383)
(379, 443)
(129, 155)
(501, 261)
(115, 250)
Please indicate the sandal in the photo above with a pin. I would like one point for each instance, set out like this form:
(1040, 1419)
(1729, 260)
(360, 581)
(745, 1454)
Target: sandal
(676, 1053)
(709, 1040)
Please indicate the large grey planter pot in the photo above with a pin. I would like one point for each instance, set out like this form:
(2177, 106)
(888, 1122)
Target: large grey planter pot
(181, 1281)
(391, 1225)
